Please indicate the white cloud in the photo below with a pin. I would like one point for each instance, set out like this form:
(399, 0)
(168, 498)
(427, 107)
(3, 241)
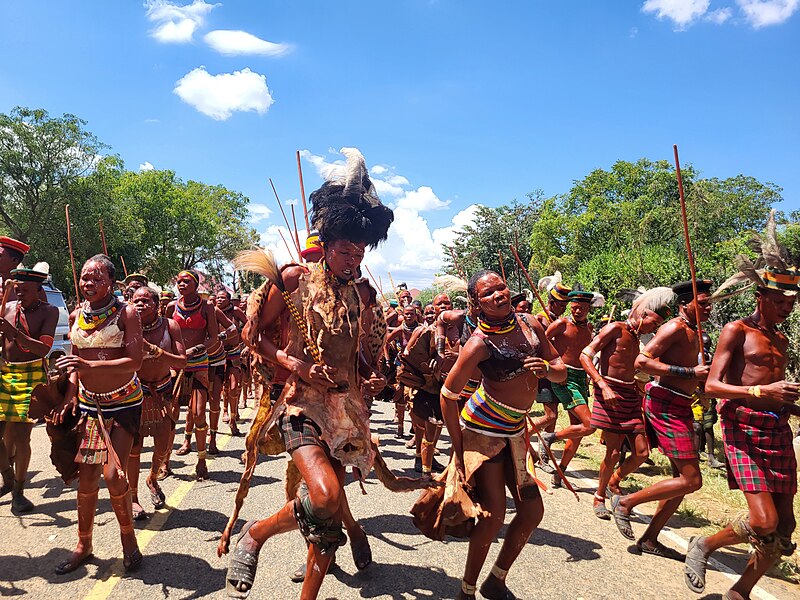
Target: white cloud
(421, 199)
(682, 12)
(761, 13)
(176, 24)
(219, 96)
(378, 170)
(146, 166)
(633, 32)
(236, 43)
(720, 15)
(258, 212)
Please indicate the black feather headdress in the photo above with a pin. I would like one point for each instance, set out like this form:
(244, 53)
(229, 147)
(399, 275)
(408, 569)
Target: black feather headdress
(346, 207)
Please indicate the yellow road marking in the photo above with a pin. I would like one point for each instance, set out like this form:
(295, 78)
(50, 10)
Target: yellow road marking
(103, 588)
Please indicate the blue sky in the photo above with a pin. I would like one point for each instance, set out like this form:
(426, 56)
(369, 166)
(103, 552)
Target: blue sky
(454, 102)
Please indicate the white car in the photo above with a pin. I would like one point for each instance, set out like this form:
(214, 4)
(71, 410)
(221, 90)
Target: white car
(61, 344)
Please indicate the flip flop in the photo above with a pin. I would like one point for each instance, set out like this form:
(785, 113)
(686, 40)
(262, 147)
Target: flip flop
(300, 574)
(659, 549)
(133, 562)
(241, 567)
(157, 497)
(140, 514)
(621, 520)
(601, 512)
(694, 569)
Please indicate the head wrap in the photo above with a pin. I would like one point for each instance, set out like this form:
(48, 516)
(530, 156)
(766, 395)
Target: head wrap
(136, 277)
(313, 245)
(191, 273)
(683, 290)
(166, 294)
(8, 242)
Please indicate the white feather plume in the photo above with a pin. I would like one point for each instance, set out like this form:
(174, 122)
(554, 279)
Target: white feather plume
(654, 299)
(450, 284)
(42, 267)
(545, 284)
(598, 301)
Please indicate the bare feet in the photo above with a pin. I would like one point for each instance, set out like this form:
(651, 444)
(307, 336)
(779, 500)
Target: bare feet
(82, 553)
(185, 448)
(201, 470)
(212, 443)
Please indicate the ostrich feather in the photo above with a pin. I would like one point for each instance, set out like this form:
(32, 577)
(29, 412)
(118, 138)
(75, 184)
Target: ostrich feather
(259, 261)
(355, 177)
(774, 255)
(748, 269)
(599, 301)
(450, 284)
(654, 299)
(629, 294)
(545, 284)
(42, 267)
(720, 294)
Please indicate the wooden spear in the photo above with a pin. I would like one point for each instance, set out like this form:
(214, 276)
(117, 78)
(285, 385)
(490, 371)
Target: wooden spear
(103, 238)
(689, 253)
(285, 243)
(534, 289)
(280, 206)
(296, 234)
(303, 192)
(72, 255)
(124, 268)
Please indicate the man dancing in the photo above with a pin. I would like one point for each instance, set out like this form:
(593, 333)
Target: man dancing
(27, 330)
(671, 356)
(617, 409)
(748, 374)
(322, 417)
(570, 335)
(398, 340)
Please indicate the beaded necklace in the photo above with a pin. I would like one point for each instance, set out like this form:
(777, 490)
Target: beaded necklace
(498, 327)
(152, 326)
(187, 311)
(89, 320)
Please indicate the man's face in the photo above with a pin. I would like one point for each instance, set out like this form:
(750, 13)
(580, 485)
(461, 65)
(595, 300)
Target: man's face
(703, 302)
(580, 310)
(404, 297)
(410, 315)
(164, 302)
(523, 306)
(7, 261)
(344, 257)
(442, 303)
(95, 284)
(145, 305)
(557, 307)
(27, 291)
(430, 315)
(649, 322)
(223, 301)
(774, 306)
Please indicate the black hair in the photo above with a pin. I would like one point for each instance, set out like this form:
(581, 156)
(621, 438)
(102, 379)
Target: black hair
(353, 215)
(102, 259)
(154, 295)
(222, 290)
(472, 284)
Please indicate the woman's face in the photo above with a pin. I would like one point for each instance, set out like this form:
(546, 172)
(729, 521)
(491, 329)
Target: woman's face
(95, 283)
(186, 284)
(145, 305)
(494, 297)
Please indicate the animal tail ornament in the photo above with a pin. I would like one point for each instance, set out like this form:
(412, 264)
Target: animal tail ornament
(545, 284)
(450, 284)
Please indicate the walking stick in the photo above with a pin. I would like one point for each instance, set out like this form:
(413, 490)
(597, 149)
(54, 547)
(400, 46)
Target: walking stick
(391, 282)
(689, 254)
(502, 268)
(303, 191)
(124, 267)
(280, 206)
(552, 458)
(103, 238)
(296, 235)
(72, 255)
(534, 289)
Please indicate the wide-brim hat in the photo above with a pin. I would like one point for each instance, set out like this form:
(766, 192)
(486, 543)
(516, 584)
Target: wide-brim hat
(683, 290)
(29, 275)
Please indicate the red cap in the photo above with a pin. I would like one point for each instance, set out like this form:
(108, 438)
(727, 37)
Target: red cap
(15, 244)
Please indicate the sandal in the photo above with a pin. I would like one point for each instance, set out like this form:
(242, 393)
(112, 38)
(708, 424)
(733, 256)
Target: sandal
(133, 562)
(621, 520)
(163, 473)
(138, 514)
(658, 549)
(600, 510)
(68, 566)
(694, 569)
(157, 497)
(241, 567)
(300, 574)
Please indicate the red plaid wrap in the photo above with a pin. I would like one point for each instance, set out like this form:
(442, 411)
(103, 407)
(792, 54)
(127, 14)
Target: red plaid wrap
(626, 417)
(758, 446)
(668, 418)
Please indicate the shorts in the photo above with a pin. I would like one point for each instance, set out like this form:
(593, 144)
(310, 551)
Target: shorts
(298, 431)
(574, 391)
(427, 407)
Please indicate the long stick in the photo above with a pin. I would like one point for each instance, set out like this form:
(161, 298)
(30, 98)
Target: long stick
(285, 220)
(689, 254)
(516, 245)
(378, 285)
(291, 254)
(303, 191)
(458, 269)
(534, 289)
(103, 238)
(296, 235)
(124, 268)
(611, 313)
(391, 282)
(72, 255)
(502, 268)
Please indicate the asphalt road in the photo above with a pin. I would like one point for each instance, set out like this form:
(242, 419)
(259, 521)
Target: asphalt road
(571, 555)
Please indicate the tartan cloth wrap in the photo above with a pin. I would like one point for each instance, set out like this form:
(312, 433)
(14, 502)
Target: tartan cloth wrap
(17, 380)
(626, 417)
(758, 446)
(574, 391)
(669, 422)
